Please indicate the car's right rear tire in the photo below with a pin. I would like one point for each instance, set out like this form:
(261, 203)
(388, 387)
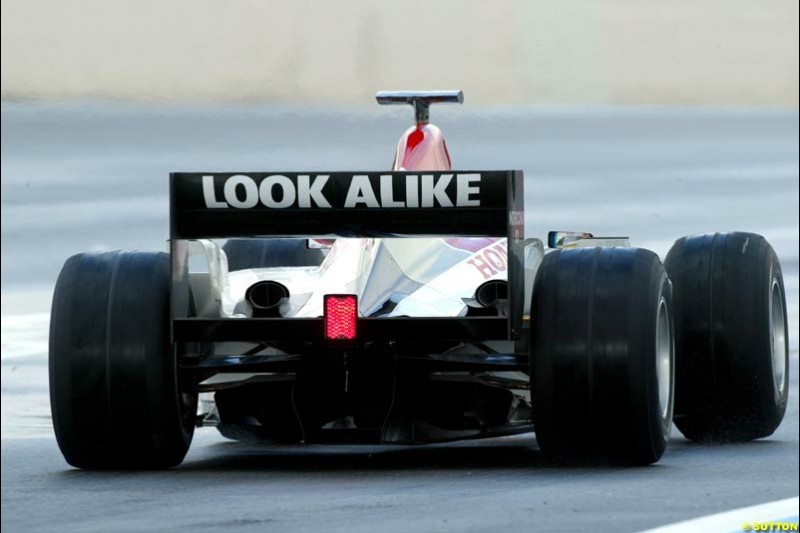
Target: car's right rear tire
(602, 355)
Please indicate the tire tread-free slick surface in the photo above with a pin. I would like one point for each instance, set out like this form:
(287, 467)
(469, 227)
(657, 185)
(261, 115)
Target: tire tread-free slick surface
(594, 383)
(114, 390)
(724, 386)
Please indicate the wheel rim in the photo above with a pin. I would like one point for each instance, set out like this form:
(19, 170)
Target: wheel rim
(664, 357)
(778, 322)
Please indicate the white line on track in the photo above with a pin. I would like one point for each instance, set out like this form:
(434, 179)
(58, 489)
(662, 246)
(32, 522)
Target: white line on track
(735, 520)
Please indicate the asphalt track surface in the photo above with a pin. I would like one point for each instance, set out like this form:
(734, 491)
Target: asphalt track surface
(93, 176)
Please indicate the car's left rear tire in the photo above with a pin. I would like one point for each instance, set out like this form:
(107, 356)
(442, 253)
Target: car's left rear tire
(602, 355)
(116, 397)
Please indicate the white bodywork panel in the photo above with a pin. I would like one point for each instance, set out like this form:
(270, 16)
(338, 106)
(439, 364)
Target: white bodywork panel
(391, 277)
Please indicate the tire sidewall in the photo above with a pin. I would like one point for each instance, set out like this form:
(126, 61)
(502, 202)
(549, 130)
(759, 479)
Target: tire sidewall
(660, 419)
(778, 397)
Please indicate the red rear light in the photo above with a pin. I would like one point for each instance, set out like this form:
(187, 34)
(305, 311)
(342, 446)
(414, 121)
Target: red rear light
(341, 312)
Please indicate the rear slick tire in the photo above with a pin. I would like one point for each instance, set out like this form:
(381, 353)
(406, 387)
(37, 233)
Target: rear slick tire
(115, 393)
(602, 355)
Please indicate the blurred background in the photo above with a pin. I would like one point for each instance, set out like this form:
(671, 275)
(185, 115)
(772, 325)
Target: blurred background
(501, 53)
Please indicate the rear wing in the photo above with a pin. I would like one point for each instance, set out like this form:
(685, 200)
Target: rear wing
(346, 204)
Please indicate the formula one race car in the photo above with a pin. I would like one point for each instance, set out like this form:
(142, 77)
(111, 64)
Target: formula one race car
(408, 307)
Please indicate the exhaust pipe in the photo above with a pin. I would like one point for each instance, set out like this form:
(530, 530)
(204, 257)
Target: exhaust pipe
(490, 294)
(266, 297)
